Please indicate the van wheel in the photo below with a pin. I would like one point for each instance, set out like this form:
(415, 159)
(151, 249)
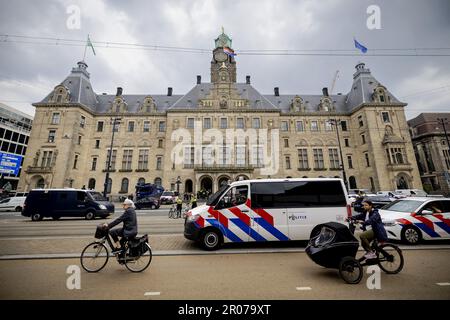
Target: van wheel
(36, 216)
(411, 235)
(90, 215)
(19, 209)
(211, 240)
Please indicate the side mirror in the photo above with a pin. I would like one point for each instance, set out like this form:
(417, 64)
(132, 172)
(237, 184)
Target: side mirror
(427, 212)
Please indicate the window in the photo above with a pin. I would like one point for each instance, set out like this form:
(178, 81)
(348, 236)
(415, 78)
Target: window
(162, 126)
(363, 139)
(240, 155)
(82, 121)
(127, 159)
(381, 98)
(158, 163)
(318, 159)
(12, 148)
(160, 143)
(223, 123)
(234, 197)
(190, 123)
(79, 139)
(56, 118)
(51, 135)
(21, 138)
(328, 126)
(75, 161)
(314, 126)
(360, 121)
(109, 185)
(116, 126)
(97, 144)
(240, 123)
(385, 117)
(258, 156)
(344, 125)
(350, 162)
(286, 143)
(366, 155)
(207, 155)
(124, 185)
(15, 136)
(334, 158)
(447, 158)
(113, 160)
(130, 126)
(91, 184)
(224, 155)
(299, 126)
(288, 163)
(94, 164)
(100, 126)
(396, 155)
(284, 126)
(146, 126)
(143, 159)
(46, 161)
(256, 123)
(207, 123)
(8, 135)
(303, 159)
(346, 143)
(189, 157)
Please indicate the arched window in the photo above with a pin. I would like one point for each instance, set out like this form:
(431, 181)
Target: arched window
(141, 181)
(158, 181)
(109, 185)
(124, 185)
(91, 184)
(352, 182)
(40, 184)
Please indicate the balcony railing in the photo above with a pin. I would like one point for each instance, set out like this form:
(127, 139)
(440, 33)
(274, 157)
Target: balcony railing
(399, 167)
(223, 167)
(31, 169)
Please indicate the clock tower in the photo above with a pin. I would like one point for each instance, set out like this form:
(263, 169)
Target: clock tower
(221, 59)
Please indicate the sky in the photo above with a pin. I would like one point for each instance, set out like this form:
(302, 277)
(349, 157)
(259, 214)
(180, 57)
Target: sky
(29, 71)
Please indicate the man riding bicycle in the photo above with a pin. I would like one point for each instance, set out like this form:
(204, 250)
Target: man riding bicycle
(373, 227)
(129, 229)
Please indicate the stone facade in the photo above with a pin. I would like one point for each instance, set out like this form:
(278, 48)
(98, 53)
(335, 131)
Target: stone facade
(292, 133)
(432, 150)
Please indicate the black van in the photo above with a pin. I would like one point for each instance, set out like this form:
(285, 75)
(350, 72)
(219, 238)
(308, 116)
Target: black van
(57, 203)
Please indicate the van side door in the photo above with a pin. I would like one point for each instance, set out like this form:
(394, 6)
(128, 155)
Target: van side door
(269, 210)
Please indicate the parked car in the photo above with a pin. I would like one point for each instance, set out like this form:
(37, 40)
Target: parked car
(12, 204)
(57, 203)
(147, 202)
(168, 197)
(390, 194)
(410, 193)
(414, 219)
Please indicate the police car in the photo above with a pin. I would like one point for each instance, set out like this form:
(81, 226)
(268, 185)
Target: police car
(417, 218)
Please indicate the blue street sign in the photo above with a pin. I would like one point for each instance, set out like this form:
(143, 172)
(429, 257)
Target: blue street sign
(10, 163)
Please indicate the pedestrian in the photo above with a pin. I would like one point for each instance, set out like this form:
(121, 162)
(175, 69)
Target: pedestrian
(193, 201)
(179, 206)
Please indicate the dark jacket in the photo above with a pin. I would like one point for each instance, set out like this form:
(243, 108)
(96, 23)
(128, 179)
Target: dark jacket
(375, 222)
(129, 223)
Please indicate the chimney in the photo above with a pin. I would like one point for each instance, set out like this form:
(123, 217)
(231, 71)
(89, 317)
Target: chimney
(277, 91)
(199, 79)
(247, 79)
(325, 91)
(119, 91)
(169, 91)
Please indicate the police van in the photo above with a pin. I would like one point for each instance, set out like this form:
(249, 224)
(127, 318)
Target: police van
(267, 210)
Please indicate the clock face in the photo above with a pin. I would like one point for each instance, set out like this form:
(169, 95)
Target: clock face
(220, 56)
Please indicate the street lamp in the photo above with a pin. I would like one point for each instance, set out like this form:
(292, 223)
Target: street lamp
(336, 123)
(108, 167)
(178, 184)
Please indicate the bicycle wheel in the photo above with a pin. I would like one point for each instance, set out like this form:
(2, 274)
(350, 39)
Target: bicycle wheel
(350, 270)
(390, 258)
(139, 263)
(94, 257)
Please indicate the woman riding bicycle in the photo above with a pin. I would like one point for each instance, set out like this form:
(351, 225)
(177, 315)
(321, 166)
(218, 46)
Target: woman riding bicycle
(373, 228)
(129, 229)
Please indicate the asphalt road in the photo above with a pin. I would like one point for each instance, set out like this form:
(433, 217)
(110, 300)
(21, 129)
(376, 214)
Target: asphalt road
(426, 275)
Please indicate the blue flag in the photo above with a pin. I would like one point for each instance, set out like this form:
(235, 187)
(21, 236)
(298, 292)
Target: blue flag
(360, 46)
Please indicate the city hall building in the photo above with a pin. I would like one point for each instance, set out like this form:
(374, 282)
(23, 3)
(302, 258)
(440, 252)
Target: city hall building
(219, 131)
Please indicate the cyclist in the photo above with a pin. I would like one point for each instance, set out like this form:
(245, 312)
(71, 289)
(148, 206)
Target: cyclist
(373, 227)
(179, 206)
(129, 229)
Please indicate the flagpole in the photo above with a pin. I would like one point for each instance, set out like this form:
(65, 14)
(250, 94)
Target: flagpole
(85, 47)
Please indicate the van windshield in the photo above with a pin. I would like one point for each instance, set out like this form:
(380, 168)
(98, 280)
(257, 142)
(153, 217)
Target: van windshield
(96, 196)
(212, 201)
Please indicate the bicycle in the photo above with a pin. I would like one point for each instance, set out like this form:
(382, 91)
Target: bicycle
(173, 212)
(389, 258)
(136, 254)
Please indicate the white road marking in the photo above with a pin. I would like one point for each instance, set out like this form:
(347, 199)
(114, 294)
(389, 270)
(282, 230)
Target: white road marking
(152, 293)
(303, 288)
(443, 284)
